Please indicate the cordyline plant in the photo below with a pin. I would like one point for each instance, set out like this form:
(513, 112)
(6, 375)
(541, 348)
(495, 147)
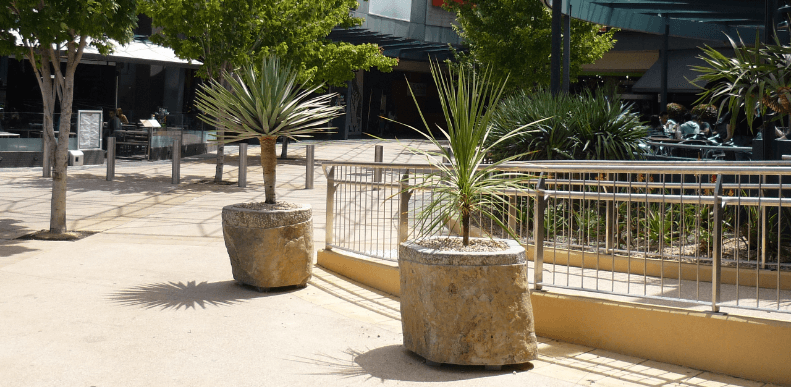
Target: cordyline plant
(756, 78)
(465, 185)
(265, 103)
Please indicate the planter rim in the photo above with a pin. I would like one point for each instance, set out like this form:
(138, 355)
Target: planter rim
(413, 252)
(234, 215)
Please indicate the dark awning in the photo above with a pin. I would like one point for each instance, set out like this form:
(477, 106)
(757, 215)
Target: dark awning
(393, 46)
(679, 73)
(700, 19)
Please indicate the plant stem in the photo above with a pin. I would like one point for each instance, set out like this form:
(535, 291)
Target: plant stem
(269, 164)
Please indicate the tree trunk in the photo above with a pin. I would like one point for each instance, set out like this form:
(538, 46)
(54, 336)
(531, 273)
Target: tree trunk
(465, 228)
(269, 164)
(57, 221)
(225, 67)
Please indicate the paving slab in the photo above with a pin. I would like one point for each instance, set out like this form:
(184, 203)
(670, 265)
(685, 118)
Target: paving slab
(149, 300)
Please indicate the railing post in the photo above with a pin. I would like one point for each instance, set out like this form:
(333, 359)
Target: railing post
(309, 165)
(512, 213)
(609, 225)
(110, 159)
(378, 157)
(242, 165)
(330, 209)
(538, 235)
(403, 209)
(45, 157)
(716, 264)
(176, 175)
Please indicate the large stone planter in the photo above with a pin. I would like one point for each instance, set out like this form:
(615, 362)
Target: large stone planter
(269, 248)
(467, 308)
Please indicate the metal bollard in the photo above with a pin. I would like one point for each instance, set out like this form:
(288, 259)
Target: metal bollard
(449, 152)
(378, 156)
(309, 165)
(110, 159)
(176, 178)
(284, 149)
(242, 165)
(45, 157)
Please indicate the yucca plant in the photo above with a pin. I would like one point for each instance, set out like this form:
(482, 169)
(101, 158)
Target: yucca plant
(756, 78)
(265, 103)
(465, 185)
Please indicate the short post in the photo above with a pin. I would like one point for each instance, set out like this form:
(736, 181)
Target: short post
(538, 235)
(284, 149)
(330, 209)
(449, 152)
(716, 261)
(45, 157)
(176, 176)
(403, 209)
(378, 157)
(309, 165)
(110, 159)
(242, 165)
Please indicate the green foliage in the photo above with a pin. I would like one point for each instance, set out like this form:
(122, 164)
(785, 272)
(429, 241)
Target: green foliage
(36, 23)
(756, 78)
(465, 186)
(225, 34)
(589, 126)
(514, 37)
(265, 101)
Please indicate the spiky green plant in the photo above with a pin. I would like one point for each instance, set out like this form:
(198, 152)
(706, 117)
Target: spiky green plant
(756, 78)
(465, 185)
(585, 126)
(265, 103)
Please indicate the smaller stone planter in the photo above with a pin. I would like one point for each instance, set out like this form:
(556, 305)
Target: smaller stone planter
(270, 246)
(467, 308)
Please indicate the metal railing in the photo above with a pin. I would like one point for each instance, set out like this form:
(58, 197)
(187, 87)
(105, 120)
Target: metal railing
(711, 233)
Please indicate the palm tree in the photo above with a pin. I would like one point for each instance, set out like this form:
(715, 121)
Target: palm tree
(265, 103)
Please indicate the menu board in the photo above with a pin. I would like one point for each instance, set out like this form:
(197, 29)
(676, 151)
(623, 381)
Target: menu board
(89, 129)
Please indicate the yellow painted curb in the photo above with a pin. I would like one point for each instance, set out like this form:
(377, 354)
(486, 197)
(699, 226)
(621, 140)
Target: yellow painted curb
(751, 348)
(653, 267)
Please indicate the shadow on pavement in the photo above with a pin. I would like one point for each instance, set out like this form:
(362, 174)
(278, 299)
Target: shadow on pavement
(394, 362)
(13, 247)
(173, 295)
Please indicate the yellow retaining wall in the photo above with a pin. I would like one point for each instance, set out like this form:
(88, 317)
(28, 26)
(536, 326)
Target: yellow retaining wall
(751, 348)
(635, 265)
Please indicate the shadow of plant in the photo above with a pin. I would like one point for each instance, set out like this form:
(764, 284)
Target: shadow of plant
(172, 295)
(394, 362)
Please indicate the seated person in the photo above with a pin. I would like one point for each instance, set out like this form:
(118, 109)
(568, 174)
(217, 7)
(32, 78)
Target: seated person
(669, 125)
(689, 127)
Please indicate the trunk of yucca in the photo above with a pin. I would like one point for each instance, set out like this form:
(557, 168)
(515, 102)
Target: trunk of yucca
(269, 165)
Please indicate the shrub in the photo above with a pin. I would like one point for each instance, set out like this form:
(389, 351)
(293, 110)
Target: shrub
(588, 126)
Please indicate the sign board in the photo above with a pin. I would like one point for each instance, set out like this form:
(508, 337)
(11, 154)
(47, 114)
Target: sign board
(152, 123)
(89, 129)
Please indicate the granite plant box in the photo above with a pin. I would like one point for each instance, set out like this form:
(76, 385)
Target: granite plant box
(467, 308)
(270, 246)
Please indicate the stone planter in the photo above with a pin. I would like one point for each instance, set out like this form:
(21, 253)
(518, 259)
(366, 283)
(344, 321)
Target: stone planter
(269, 246)
(467, 308)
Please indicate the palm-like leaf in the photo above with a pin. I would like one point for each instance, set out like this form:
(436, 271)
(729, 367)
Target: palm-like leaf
(465, 185)
(265, 103)
(753, 79)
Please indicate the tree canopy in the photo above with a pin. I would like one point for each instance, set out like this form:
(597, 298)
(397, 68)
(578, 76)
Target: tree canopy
(48, 33)
(225, 34)
(514, 36)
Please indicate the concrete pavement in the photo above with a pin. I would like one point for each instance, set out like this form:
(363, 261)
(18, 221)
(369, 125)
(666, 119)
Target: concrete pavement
(150, 301)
